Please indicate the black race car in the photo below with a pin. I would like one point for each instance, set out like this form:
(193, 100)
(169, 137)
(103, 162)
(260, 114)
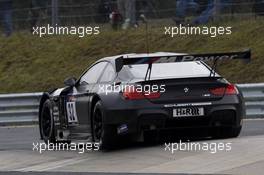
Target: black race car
(134, 94)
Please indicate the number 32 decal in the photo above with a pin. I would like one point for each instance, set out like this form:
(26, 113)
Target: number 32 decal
(71, 112)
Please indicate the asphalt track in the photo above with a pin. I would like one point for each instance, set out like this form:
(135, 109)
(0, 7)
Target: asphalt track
(245, 157)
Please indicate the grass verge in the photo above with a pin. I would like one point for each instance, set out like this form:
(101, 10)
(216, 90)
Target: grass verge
(29, 63)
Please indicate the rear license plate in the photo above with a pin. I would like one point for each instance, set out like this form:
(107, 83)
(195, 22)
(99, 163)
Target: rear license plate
(188, 112)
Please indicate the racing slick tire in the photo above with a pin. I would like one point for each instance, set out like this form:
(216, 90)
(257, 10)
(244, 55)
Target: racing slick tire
(46, 123)
(104, 135)
(151, 137)
(230, 132)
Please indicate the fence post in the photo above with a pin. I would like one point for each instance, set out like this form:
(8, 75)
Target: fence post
(217, 9)
(54, 12)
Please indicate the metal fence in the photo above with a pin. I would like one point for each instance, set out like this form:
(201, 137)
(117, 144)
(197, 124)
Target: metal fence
(23, 108)
(82, 12)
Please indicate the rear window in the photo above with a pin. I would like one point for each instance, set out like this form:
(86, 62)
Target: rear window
(171, 70)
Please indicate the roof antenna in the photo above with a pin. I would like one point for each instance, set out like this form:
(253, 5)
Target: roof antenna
(145, 21)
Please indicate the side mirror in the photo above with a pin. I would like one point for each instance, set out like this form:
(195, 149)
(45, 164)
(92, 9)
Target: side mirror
(70, 81)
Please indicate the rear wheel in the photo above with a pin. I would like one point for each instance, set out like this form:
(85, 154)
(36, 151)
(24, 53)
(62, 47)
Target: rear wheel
(229, 132)
(47, 123)
(104, 135)
(151, 137)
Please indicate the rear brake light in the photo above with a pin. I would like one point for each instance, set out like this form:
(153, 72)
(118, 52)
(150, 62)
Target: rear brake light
(152, 95)
(132, 94)
(230, 89)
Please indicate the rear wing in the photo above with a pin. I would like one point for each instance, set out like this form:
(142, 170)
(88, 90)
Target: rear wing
(121, 61)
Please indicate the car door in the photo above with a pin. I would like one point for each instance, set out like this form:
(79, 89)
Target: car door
(80, 97)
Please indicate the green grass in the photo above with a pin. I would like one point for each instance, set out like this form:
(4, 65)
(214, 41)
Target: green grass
(29, 63)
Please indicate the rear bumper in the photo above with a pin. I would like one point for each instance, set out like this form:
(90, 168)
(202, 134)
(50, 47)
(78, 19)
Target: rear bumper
(227, 112)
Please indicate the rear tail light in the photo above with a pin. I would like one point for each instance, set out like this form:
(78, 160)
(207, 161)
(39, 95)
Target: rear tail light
(218, 91)
(133, 94)
(230, 89)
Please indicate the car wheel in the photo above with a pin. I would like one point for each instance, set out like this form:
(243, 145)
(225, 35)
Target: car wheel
(151, 137)
(230, 132)
(47, 123)
(104, 135)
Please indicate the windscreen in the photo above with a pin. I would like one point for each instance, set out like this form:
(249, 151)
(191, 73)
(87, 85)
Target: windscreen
(171, 70)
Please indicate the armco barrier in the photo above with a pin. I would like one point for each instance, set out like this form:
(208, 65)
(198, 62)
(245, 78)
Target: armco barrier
(23, 108)
(254, 97)
(19, 108)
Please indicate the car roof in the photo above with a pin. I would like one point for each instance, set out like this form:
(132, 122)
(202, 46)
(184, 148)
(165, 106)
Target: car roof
(112, 59)
(135, 55)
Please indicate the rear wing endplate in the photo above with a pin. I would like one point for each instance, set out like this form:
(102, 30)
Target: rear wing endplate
(121, 61)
